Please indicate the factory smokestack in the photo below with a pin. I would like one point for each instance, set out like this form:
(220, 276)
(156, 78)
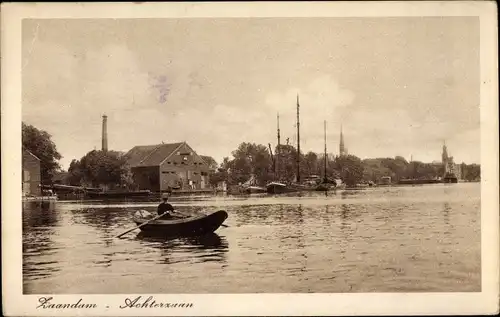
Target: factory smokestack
(104, 133)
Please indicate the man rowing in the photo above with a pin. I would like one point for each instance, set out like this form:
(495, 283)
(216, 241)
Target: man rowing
(164, 208)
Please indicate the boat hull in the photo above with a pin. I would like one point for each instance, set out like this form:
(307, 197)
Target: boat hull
(192, 226)
(279, 188)
(255, 190)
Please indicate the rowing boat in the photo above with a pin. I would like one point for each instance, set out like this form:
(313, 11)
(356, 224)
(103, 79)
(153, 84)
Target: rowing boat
(195, 225)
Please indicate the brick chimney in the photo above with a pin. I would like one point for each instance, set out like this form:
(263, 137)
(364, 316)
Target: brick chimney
(104, 133)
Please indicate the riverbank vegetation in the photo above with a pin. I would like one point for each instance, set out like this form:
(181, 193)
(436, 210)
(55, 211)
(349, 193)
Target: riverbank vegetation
(40, 143)
(249, 162)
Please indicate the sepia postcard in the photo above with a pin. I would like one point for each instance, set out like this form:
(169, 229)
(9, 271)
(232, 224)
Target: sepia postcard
(250, 158)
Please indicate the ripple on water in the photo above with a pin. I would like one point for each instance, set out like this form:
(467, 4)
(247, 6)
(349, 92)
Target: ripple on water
(377, 240)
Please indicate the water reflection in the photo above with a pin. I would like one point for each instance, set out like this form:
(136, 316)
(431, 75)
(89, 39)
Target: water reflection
(206, 248)
(211, 240)
(346, 230)
(39, 228)
(446, 218)
(104, 221)
(346, 193)
(101, 218)
(446, 213)
(300, 238)
(39, 214)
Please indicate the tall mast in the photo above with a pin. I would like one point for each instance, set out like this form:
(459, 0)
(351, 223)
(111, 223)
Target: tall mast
(278, 148)
(278, 124)
(341, 144)
(325, 151)
(298, 141)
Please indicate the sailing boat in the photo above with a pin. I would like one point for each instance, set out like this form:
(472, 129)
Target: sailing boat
(324, 186)
(249, 187)
(277, 187)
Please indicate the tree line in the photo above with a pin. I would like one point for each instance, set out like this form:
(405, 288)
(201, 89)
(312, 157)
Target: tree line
(250, 161)
(98, 168)
(94, 169)
(255, 161)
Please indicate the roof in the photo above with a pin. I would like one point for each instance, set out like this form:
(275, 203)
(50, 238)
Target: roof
(150, 155)
(138, 153)
(25, 150)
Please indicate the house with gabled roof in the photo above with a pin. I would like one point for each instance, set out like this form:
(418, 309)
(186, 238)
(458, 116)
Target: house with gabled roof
(168, 166)
(31, 174)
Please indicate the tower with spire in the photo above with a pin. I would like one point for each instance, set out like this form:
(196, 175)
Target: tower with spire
(444, 155)
(445, 159)
(342, 148)
(451, 170)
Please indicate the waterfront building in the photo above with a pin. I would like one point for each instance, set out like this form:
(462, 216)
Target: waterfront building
(168, 166)
(31, 174)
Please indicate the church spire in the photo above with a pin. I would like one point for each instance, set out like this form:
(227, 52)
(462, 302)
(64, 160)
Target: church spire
(342, 150)
(444, 155)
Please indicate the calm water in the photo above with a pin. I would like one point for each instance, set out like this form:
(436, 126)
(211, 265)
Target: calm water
(398, 239)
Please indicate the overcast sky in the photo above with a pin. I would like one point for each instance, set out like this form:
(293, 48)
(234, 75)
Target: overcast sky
(398, 86)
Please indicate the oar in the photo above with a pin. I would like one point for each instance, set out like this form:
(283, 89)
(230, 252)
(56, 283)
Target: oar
(199, 213)
(142, 224)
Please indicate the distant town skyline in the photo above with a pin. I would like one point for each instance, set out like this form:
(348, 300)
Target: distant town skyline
(397, 86)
